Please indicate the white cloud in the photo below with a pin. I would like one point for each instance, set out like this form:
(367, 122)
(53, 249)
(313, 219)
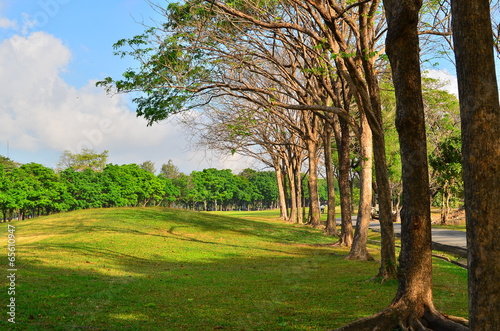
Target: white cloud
(40, 114)
(5, 23)
(450, 80)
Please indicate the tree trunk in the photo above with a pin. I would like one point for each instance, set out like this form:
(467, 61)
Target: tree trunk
(346, 232)
(374, 114)
(281, 190)
(331, 222)
(445, 204)
(388, 267)
(314, 212)
(298, 193)
(412, 307)
(358, 249)
(480, 115)
(293, 195)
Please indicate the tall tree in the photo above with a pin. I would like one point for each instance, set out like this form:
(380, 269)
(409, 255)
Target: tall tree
(148, 166)
(86, 159)
(480, 113)
(170, 170)
(413, 307)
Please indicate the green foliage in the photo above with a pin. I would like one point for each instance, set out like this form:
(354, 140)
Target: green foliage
(7, 164)
(446, 162)
(168, 74)
(33, 190)
(86, 159)
(170, 170)
(148, 166)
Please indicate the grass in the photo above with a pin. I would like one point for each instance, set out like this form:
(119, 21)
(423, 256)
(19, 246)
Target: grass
(162, 269)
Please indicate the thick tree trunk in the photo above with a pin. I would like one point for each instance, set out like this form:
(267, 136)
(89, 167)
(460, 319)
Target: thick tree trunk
(388, 267)
(346, 231)
(358, 249)
(281, 190)
(480, 114)
(331, 222)
(412, 307)
(314, 211)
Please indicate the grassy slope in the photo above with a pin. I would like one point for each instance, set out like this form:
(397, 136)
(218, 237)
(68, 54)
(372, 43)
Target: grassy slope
(160, 269)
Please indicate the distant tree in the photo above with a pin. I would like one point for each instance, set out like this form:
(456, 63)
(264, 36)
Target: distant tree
(148, 166)
(85, 187)
(172, 192)
(170, 170)
(7, 163)
(446, 161)
(86, 159)
(119, 186)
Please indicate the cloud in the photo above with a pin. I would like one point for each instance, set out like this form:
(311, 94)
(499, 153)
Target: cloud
(450, 80)
(5, 23)
(40, 114)
(39, 110)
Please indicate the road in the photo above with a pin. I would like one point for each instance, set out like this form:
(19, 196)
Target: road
(447, 240)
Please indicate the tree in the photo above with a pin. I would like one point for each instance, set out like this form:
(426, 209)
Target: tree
(359, 250)
(413, 306)
(148, 166)
(85, 187)
(86, 159)
(480, 115)
(7, 163)
(446, 161)
(170, 170)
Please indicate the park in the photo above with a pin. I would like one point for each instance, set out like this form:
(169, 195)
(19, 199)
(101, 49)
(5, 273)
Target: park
(336, 103)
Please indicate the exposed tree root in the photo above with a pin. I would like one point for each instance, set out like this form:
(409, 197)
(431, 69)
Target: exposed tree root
(331, 231)
(340, 243)
(359, 256)
(402, 317)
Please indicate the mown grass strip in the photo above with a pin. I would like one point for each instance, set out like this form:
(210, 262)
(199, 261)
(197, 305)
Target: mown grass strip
(163, 269)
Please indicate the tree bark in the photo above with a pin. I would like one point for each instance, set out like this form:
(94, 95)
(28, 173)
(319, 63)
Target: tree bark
(358, 250)
(413, 307)
(346, 231)
(314, 212)
(281, 189)
(331, 222)
(415, 283)
(298, 191)
(445, 204)
(480, 117)
(293, 194)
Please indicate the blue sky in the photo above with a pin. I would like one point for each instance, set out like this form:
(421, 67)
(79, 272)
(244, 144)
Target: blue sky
(51, 54)
(87, 28)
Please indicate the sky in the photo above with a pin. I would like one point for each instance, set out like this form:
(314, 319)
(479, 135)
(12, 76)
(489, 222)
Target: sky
(52, 52)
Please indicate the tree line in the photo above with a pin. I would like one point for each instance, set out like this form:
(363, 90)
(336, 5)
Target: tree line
(287, 81)
(31, 189)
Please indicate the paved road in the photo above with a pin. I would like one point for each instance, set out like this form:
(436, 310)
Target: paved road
(446, 240)
(440, 236)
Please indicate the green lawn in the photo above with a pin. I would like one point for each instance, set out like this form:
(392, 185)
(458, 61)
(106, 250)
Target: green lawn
(162, 269)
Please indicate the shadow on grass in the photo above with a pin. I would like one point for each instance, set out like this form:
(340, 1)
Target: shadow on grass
(161, 269)
(209, 222)
(284, 293)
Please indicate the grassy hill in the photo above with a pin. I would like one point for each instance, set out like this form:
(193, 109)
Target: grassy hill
(163, 269)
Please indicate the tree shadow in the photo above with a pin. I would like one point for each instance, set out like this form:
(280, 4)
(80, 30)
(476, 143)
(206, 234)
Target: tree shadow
(227, 285)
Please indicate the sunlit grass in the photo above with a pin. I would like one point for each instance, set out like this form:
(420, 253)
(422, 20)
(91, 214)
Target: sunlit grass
(163, 269)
